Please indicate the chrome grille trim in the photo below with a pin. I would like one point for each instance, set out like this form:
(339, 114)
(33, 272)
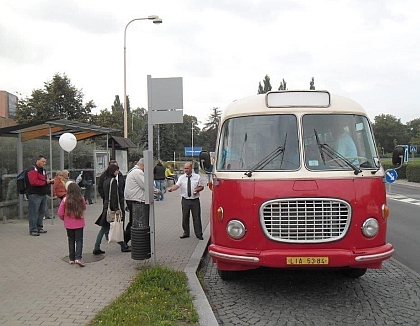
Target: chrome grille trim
(305, 220)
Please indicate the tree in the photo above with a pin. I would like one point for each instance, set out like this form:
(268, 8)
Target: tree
(413, 131)
(388, 131)
(208, 136)
(58, 100)
(282, 86)
(117, 106)
(267, 85)
(312, 84)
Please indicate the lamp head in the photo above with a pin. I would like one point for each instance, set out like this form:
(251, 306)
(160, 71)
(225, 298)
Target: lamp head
(156, 19)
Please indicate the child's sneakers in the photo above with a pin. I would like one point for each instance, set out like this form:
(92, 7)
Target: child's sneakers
(80, 262)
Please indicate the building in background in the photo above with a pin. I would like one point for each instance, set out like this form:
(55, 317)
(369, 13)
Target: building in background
(8, 104)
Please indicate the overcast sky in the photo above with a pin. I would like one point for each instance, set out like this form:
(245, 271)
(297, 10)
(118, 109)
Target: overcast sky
(368, 50)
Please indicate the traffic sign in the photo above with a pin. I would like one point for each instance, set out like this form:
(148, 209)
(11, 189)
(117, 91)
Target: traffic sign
(189, 151)
(391, 175)
(413, 148)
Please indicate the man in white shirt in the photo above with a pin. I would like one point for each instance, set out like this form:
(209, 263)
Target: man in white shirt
(191, 185)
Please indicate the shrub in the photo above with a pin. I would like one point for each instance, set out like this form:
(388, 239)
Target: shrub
(413, 173)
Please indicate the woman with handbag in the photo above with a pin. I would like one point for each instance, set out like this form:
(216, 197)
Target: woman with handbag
(113, 206)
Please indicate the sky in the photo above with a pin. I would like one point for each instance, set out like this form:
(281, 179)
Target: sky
(366, 50)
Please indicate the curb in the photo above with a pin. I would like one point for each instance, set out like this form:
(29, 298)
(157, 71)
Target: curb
(201, 304)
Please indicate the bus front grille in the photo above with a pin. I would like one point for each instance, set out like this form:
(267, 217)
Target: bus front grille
(308, 220)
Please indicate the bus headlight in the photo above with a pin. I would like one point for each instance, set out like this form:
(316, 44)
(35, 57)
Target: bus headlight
(370, 227)
(235, 229)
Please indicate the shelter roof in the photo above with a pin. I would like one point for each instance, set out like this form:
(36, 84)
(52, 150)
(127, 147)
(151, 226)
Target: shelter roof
(122, 142)
(57, 127)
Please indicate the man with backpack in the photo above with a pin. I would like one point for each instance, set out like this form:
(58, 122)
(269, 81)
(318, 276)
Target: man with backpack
(38, 188)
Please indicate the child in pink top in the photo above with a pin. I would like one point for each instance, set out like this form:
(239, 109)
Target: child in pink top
(71, 211)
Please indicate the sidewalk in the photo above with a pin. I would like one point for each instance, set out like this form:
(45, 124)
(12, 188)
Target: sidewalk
(404, 182)
(39, 287)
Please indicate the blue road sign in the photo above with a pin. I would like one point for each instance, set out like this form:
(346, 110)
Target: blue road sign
(405, 158)
(413, 148)
(391, 175)
(192, 152)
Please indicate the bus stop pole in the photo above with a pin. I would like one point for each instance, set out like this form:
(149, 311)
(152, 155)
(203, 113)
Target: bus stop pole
(149, 196)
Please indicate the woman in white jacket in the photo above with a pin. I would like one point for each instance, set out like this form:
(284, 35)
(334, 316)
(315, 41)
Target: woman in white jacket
(134, 192)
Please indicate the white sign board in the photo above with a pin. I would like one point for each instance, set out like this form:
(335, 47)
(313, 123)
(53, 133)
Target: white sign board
(101, 162)
(121, 158)
(165, 99)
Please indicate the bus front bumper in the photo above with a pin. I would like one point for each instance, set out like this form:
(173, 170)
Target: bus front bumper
(238, 259)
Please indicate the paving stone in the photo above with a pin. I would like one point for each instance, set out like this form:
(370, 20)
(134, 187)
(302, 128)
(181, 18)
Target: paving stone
(303, 297)
(38, 285)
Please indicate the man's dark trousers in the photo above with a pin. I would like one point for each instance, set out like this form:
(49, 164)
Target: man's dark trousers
(193, 206)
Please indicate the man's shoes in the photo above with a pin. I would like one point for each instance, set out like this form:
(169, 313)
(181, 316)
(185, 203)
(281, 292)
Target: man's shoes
(126, 249)
(35, 234)
(184, 236)
(42, 231)
(98, 252)
(200, 237)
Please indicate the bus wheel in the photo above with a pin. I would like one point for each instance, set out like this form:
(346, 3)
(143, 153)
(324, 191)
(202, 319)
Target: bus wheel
(354, 272)
(226, 275)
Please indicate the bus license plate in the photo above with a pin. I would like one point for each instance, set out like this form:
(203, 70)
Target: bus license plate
(307, 260)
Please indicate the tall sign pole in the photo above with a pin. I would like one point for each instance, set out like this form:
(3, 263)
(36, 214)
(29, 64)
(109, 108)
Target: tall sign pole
(164, 97)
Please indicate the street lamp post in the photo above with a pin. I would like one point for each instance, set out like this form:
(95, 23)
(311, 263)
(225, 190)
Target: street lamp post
(192, 138)
(156, 20)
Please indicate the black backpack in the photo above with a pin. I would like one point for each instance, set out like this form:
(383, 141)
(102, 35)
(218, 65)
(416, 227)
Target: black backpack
(22, 182)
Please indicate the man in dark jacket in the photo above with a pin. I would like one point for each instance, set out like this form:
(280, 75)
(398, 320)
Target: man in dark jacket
(38, 188)
(159, 177)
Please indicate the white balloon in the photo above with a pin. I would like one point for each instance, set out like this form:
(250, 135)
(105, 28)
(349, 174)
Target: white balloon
(67, 141)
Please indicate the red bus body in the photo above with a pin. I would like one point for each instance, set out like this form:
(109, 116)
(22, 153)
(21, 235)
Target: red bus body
(299, 217)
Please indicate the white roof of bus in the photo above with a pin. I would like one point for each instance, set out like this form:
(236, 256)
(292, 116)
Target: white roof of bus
(256, 105)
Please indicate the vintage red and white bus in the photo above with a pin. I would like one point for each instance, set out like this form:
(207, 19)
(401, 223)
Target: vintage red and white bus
(297, 183)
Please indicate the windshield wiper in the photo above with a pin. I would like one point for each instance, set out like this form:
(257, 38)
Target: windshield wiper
(334, 155)
(265, 160)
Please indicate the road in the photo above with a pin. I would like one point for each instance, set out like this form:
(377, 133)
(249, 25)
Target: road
(388, 296)
(404, 224)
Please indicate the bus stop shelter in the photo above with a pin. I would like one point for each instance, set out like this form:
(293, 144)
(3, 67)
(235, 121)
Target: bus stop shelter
(52, 130)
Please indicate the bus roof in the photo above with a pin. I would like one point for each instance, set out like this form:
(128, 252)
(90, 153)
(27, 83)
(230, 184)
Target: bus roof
(257, 105)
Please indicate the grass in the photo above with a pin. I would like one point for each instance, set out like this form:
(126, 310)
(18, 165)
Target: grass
(157, 296)
(415, 161)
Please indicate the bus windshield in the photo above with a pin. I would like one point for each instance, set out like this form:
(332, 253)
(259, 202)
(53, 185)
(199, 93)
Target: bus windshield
(271, 143)
(265, 142)
(338, 141)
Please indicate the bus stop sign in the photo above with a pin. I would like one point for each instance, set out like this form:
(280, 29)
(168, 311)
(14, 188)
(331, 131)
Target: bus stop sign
(391, 175)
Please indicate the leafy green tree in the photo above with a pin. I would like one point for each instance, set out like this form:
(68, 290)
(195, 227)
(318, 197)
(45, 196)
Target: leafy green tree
(117, 106)
(107, 119)
(312, 84)
(58, 99)
(138, 127)
(282, 86)
(208, 136)
(267, 85)
(413, 131)
(389, 131)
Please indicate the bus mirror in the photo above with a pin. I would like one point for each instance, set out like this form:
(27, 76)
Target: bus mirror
(397, 155)
(204, 159)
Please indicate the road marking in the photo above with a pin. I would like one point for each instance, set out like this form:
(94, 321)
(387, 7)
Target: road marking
(403, 199)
